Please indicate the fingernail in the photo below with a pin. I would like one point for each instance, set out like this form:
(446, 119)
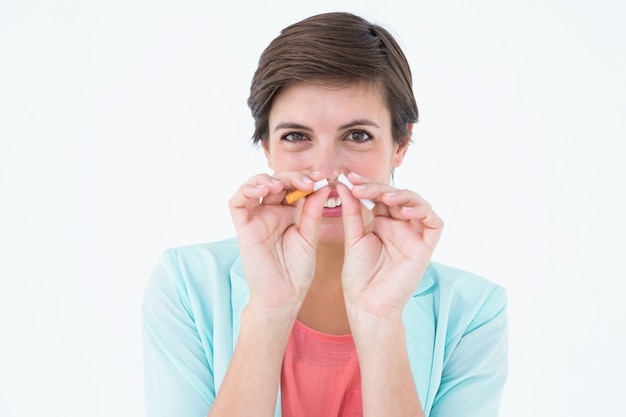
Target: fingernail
(316, 172)
(355, 175)
(307, 180)
(275, 181)
(391, 194)
(360, 187)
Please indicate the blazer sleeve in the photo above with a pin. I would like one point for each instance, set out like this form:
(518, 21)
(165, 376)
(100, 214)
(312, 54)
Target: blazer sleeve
(476, 369)
(178, 377)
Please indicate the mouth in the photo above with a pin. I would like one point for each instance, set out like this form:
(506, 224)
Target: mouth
(332, 202)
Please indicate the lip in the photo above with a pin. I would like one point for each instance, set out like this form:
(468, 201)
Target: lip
(334, 211)
(331, 212)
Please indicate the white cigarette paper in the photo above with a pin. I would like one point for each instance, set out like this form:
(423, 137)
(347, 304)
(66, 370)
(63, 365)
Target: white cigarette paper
(369, 204)
(320, 184)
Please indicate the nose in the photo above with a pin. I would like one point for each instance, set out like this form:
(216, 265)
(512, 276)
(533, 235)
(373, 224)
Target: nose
(328, 159)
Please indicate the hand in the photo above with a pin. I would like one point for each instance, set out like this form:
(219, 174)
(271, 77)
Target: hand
(383, 266)
(278, 248)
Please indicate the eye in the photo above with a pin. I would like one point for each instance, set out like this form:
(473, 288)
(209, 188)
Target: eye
(358, 136)
(294, 137)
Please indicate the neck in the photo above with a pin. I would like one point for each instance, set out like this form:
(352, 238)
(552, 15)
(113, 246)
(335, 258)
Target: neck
(323, 308)
(329, 262)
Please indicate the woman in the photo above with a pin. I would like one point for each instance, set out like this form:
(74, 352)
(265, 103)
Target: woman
(323, 307)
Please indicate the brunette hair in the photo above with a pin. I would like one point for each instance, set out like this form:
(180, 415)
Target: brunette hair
(338, 49)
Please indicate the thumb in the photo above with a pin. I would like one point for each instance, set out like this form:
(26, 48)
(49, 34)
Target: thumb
(353, 226)
(311, 214)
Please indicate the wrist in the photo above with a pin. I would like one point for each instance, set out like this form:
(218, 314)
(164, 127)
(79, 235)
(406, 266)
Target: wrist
(370, 326)
(278, 317)
(379, 345)
(374, 313)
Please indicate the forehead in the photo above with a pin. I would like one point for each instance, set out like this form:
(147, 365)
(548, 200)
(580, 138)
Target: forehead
(319, 102)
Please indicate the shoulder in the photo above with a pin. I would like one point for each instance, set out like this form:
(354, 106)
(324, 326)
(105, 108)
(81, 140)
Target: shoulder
(463, 285)
(465, 298)
(189, 271)
(218, 254)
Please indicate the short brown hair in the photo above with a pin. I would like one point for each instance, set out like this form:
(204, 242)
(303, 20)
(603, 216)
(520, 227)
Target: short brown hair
(340, 49)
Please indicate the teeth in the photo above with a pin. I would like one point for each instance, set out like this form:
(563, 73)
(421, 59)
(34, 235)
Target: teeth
(333, 202)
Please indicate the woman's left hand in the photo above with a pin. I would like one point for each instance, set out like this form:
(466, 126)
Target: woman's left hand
(384, 263)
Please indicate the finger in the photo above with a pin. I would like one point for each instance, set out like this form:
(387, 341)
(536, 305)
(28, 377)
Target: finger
(249, 195)
(297, 180)
(369, 192)
(311, 215)
(423, 214)
(353, 225)
(410, 205)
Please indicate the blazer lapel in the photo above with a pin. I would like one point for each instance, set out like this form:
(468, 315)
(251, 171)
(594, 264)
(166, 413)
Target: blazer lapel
(419, 322)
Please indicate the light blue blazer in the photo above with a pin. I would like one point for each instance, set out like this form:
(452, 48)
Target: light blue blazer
(456, 334)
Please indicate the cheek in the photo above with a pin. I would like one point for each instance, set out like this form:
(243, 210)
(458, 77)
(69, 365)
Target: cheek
(289, 161)
(372, 166)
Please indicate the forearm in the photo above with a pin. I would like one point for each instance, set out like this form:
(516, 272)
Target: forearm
(387, 383)
(250, 387)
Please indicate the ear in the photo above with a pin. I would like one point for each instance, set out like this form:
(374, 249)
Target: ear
(401, 149)
(266, 150)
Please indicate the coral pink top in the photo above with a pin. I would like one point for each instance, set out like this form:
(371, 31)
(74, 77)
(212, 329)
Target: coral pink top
(320, 375)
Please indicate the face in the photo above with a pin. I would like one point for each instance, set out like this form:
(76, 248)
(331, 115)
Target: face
(316, 127)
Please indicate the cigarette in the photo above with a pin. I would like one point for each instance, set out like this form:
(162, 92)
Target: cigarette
(294, 196)
(369, 204)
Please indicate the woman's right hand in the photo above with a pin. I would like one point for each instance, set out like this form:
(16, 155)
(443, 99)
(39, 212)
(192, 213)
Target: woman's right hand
(278, 241)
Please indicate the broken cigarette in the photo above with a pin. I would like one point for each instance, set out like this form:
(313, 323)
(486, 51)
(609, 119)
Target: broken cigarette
(294, 196)
(369, 204)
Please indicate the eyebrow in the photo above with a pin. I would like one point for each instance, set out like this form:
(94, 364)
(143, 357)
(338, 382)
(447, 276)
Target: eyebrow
(290, 125)
(360, 122)
(354, 123)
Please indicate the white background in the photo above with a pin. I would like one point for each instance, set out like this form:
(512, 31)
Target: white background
(124, 130)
